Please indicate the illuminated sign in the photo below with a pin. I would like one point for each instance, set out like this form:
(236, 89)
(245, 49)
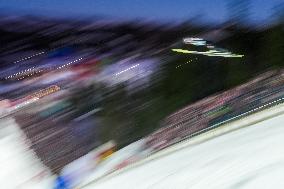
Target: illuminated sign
(46, 91)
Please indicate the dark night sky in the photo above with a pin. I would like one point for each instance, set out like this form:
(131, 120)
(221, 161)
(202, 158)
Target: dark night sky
(165, 10)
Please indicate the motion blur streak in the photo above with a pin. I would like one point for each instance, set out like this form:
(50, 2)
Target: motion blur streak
(251, 157)
(94, 101)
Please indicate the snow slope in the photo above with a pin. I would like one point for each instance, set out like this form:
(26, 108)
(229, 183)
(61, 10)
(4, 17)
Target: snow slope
(250, 157)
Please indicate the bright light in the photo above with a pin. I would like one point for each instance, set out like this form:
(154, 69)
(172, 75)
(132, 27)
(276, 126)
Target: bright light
(29, 57)
(189, 61)
(62, 66)
(126, 69)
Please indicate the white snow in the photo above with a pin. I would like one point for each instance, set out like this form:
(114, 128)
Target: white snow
(19, 166)
(251, 157)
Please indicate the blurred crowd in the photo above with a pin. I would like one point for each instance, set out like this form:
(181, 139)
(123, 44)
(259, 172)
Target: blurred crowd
(262, 92)
(54, 76)
(67, 88)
